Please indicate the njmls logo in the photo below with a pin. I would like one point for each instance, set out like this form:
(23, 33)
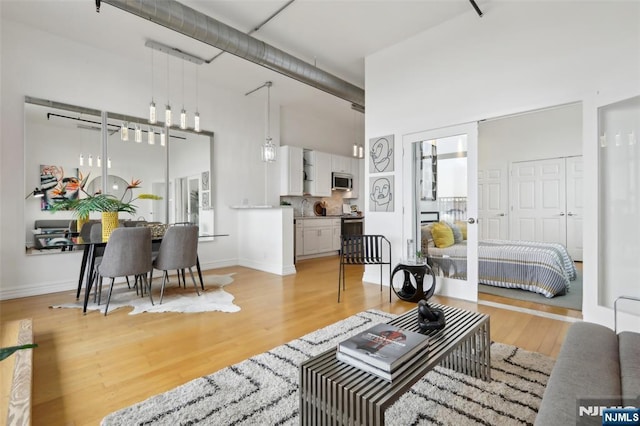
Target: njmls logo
(609, 411)
(621, 416)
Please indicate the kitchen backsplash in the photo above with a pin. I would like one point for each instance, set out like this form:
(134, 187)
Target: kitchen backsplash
(333, 204)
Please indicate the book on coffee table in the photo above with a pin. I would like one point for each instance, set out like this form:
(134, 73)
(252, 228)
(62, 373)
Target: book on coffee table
(384, 346)
(388, 376)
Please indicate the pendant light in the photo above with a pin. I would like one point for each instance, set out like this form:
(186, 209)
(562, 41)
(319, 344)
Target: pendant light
(124, 131)
(81, 160)
(151, 136)
(167, 111)
(90, 160)
(268, 148)
(152, 105)
(137, 133)
(183, 112)
(163, 138)
(196, 117)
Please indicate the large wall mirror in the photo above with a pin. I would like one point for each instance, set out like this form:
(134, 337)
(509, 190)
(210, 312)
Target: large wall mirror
(64, 141)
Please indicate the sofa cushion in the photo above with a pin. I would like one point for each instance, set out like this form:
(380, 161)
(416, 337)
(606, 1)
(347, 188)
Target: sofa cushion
(629, 343)
(587, 367)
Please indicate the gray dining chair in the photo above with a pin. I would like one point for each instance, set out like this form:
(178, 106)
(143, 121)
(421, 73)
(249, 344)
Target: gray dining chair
(128, 252)
(178, 250)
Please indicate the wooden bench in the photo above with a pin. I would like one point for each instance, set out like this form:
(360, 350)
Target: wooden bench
(16, 373)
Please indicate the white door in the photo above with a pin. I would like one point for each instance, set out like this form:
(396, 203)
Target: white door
(493, 203)
(466, 285)
(575, 204)
(538, 201)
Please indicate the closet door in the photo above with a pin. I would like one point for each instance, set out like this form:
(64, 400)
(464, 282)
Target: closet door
(493, 203)
(538, 197)
(575, 205)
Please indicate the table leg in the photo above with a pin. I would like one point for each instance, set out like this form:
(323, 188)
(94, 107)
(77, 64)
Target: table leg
(83, 266)
(199, 272)
(89, 281)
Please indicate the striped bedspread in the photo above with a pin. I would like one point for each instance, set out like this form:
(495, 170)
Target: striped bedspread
(544, 268)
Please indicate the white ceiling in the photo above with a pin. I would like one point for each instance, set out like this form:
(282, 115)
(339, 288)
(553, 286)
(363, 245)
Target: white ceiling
(334, 35)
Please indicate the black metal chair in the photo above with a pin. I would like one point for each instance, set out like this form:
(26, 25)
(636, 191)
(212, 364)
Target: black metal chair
(364, 250)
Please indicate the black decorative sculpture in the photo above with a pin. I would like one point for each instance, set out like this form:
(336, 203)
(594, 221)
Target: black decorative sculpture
(429, 318)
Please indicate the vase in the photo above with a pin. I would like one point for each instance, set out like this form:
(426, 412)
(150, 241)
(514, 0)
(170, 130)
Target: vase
(109, 223)
(80, 222)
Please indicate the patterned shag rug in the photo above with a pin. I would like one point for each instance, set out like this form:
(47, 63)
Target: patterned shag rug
(263, 390)
(176, 299)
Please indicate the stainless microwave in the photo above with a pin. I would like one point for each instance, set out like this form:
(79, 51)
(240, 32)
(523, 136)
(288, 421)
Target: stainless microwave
(341, 181)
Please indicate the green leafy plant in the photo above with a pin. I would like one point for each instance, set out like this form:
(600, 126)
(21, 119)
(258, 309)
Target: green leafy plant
(100, 202)
(8, 351)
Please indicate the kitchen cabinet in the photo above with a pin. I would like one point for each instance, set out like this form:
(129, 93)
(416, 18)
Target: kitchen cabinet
(356, 164)
(317, 236)
(336, 233)
(291, 170)
(341, 164)
(299, 238)
(317, 171)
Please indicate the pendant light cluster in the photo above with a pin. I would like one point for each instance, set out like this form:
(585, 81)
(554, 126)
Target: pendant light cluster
(358, 149)
(168, 115)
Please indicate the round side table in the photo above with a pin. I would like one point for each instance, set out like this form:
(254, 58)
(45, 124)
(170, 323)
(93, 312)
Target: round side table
(411, 287)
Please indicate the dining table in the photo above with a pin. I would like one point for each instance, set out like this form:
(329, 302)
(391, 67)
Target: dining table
(91, 249)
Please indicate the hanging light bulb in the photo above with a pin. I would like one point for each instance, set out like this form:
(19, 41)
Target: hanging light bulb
(167, 111)
(360, 151)
(152, 105)
(355, 150)
(90, 160)
(167, 116)
(81, 160)
(151, 136)
(183, 112)
(152, 112)
(196, 122)
(183, 119)
(109, 163)
(268, 148)
(124, 132)
(196, 117)
(163, 138)
(99, 162)
(138, 133)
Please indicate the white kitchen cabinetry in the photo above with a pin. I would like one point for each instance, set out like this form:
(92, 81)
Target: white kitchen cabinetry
(341, 164)
(355, 172)
(317, 237)
(317, 171)
(299, 238)
(291, 171)
(336, 233)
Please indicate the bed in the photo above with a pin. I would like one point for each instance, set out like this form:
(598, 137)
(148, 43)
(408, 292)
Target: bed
(545, 268)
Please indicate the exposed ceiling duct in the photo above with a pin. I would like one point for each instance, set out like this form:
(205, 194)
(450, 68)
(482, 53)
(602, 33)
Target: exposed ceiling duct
(199, 26)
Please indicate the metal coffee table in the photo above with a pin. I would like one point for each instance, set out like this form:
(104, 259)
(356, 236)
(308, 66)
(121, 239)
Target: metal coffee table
(332, 392)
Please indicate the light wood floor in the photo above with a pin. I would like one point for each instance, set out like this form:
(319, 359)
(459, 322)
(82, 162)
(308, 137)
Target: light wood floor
(88, 366)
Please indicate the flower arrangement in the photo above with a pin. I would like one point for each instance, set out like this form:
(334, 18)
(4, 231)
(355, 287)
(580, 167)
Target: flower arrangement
(99, 202)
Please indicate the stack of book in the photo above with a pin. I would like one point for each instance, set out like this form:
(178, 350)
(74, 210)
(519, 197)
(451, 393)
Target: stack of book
(384, 350)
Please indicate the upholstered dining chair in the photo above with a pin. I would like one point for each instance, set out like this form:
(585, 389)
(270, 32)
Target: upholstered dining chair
(128, 252)
(178, 250)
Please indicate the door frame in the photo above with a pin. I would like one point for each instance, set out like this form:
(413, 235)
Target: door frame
(467, 290)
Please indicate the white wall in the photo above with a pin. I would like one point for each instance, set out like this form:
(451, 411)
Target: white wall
(43, 65)
(519, 56)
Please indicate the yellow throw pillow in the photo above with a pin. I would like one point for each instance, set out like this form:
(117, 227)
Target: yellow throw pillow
(463, 227)
(442, 235)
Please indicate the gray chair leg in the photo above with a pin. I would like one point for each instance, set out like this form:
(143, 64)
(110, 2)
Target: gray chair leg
(109, 297)
(143, 277)
(194, 281)
(164, 281)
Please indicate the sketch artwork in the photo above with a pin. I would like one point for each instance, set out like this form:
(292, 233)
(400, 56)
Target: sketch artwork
(381, 158)
(205, 181)
(381, 194)
(206, 202)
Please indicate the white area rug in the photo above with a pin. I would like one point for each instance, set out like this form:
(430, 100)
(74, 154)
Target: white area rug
(263, 390)
(214, 297)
